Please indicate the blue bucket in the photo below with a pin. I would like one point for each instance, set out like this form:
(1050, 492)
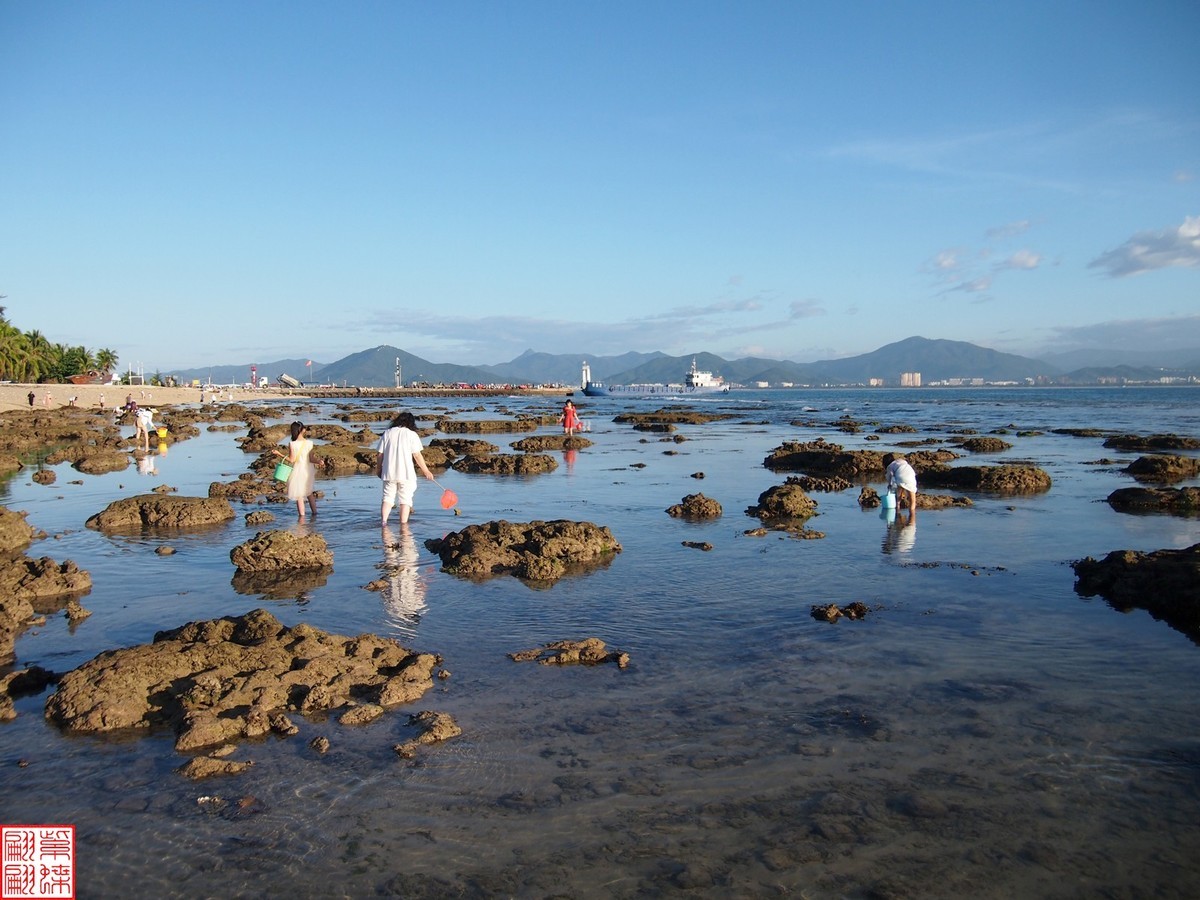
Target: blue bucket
(889, 500)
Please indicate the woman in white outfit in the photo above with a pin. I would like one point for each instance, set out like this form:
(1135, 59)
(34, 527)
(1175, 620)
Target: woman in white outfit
(399, 449)
(902, 477)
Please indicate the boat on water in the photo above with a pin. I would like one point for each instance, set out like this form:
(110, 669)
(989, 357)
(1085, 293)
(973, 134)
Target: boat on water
(695, 382)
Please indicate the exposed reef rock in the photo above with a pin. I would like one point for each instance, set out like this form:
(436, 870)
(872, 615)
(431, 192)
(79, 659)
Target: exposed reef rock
(822, 458)
(829, 485)
(32, 579)
(588, 652)
(784, 501)
(534, 551)
(992, 479)
(218, 681)
(15, 533)
(985, 445)
(696, 506)
(1165, 583)
(275, 551)
(453, 447)
(1174, 501)
(157, 511)
(486, 426)
(1136, 443)
(506, 464)
(99, 462)
(671, 416)
(1163, 469)
(551, 442)
(831, 612)
(869, 499)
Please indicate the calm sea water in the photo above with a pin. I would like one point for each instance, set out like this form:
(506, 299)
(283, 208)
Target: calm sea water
(984, 732)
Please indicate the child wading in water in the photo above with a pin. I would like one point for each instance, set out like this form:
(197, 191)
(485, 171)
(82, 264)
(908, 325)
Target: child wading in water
(300, 482)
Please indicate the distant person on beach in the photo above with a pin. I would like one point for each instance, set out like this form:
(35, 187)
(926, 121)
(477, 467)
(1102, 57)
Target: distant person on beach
(143, 420)
(399, 449)
(32, 397)
(49, 399)
(102, 401)
(569, 418)
(300, 482)
(902, 477)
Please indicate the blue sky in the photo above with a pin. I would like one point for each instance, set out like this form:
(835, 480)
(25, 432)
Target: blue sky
(197, 183)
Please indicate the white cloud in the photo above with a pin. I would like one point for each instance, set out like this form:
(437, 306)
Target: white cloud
(971, 286)
(1022, 259)
(805, 309)
(1012, 229)
(1150, 250)
(1178, 332)
(946, 260)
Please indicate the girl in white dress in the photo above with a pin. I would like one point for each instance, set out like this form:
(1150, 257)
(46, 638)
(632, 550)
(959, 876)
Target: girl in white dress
(300, 482)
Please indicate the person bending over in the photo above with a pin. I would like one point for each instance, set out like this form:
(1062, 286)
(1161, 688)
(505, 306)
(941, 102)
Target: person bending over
(902, 477)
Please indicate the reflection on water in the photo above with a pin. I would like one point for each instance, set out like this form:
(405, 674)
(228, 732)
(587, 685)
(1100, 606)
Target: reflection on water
(286, 584)
(404, 595)
(901, 533)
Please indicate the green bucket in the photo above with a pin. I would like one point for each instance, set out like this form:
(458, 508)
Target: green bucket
(283, 472)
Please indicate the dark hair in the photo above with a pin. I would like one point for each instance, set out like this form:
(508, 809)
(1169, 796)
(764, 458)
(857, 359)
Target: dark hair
(405, 420)
(889, 458)
(297, 427)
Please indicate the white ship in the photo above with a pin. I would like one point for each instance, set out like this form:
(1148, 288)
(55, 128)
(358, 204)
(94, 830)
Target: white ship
(695, 382)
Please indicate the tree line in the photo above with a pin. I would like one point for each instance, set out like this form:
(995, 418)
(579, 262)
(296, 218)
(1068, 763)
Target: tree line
(28, 356)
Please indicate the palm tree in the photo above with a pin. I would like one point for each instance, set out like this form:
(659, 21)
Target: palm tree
(39, 359)
(106, 360)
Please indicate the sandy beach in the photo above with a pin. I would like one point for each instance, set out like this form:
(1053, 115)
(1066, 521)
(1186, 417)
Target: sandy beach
(16, 396)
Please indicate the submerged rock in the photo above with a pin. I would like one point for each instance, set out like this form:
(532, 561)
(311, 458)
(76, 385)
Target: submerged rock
(434, 728)
(588, 652)
(535, 551)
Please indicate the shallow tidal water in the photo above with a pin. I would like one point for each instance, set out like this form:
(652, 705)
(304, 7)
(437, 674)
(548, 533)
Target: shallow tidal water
(985, 731)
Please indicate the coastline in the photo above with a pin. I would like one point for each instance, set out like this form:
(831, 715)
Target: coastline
(15, 396)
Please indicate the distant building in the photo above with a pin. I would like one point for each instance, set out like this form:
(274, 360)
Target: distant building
(910, 379)
(875, 382)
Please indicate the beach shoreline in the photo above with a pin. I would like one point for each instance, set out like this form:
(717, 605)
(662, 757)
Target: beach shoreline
(16, 396)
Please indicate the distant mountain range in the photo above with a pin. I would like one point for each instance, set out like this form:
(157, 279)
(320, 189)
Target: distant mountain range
(935, 360)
